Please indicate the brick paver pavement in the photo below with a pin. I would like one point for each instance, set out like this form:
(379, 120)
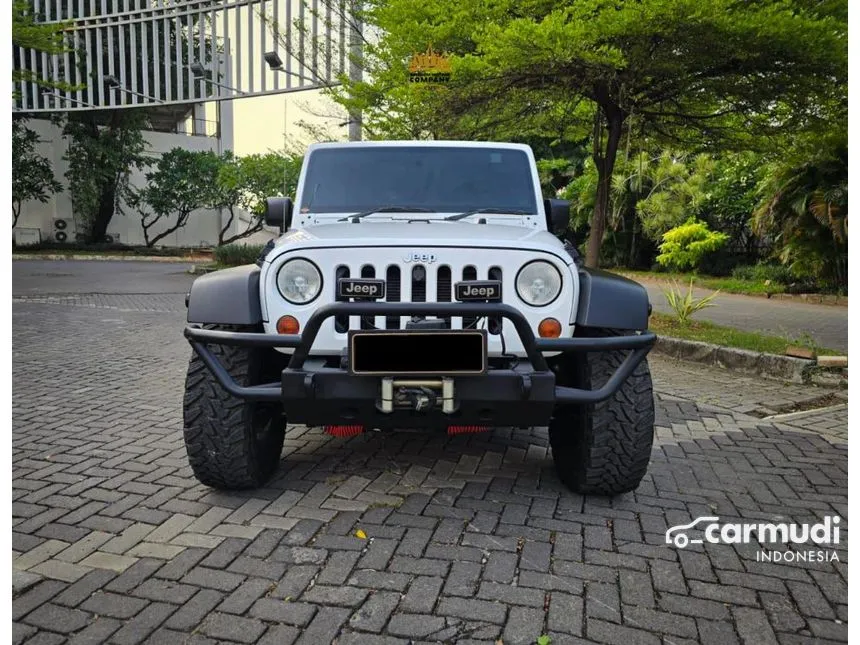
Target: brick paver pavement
(469, 539)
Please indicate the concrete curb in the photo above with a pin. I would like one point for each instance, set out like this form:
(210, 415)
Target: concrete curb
(772, 366)
(812, 298)
(794, 416)
(105, 258)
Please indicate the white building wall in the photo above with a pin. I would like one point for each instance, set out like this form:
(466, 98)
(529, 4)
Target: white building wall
(203, 225)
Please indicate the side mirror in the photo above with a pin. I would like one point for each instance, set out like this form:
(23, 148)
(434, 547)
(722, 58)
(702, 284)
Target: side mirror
(279, 212)
(557, 215)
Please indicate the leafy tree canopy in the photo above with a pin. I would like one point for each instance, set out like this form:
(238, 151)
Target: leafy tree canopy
(101, 158)
(29, 34)
(702, 74)
(181, 182)
(247, 181)
(32, 174)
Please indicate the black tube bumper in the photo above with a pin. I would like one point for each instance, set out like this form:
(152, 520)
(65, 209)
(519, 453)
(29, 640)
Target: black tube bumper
(523, 396)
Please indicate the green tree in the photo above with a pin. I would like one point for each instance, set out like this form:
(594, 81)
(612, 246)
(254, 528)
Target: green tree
(804, 209)
(32, 174)
(246, 182)
(101, 158)
(650, 193)
(701, 74)
(181, 182)
(731, 197)
(678, 185)
(29, 34)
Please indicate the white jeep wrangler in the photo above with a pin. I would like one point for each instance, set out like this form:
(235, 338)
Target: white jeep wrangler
(419, 285)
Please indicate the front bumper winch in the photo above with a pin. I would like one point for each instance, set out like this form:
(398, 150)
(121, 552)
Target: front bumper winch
(522, 395)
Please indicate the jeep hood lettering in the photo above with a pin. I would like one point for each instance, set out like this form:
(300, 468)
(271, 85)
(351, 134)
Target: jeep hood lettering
(418, 236)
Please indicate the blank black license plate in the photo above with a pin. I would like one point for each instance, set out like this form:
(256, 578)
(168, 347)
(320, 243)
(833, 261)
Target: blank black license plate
(440, 352)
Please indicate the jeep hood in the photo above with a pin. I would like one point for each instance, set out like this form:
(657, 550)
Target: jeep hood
(420, 235)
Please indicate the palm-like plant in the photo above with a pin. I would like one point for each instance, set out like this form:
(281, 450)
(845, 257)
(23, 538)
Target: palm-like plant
(685, 304)
(805, 212)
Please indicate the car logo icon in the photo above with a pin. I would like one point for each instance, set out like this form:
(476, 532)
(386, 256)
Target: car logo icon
(415, 256)
(677, 534)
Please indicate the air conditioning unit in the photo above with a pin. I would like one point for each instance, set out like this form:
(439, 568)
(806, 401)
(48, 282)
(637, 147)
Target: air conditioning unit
(27, 236)
(62, 229)
(111, 238)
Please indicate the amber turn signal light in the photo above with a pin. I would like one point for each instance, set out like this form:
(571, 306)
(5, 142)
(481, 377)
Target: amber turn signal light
(288, 325)
(549, 328)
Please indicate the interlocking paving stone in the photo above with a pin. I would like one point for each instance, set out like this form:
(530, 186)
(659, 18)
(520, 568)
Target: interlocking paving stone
(232, 628)
(374, 613)
(523, 626)
(56, 618)
(59, 570)
(96, 632)
(339, 595)
(195, 610)
(244, 596)
(283, 611)
(471, 538)
(324, 627)
(35, 597)
(415, 625)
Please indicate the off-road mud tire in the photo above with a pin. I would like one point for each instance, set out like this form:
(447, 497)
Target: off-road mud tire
(232, 444)
(603, 448)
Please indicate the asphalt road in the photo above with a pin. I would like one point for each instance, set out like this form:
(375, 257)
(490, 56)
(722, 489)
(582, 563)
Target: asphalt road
(827, 324)
(40, 277)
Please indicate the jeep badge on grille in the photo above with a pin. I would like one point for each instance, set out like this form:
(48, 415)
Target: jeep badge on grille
(363, 288)
(484, 290)
(427, 258)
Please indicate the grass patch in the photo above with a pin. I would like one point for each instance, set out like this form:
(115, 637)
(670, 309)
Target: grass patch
(666, 325)
(726, 285)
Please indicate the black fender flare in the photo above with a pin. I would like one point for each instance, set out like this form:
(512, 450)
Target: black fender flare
(611, 301)
(226, 297)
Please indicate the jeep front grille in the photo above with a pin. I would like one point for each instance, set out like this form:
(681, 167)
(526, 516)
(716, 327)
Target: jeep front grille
(417, 277)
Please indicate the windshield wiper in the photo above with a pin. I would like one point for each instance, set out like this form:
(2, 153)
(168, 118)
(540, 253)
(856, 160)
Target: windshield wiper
(478, 211)
(386, 209)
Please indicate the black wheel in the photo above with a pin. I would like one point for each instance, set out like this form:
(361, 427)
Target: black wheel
(232, 444)
(603, 448)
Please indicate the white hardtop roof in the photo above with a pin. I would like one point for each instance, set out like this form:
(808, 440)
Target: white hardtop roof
(419, 143)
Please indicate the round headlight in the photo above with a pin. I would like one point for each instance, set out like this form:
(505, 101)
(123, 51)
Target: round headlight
(299, 281)
(538, 283)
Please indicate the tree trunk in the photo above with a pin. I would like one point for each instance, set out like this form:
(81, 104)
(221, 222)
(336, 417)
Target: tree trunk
(108, 189)
(16, 212)
(104, 214)
(604, 161)
(226, 227)
(631, 259)
(181, 221)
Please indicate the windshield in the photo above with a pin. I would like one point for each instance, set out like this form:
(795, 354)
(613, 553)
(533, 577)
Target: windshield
(440, 179)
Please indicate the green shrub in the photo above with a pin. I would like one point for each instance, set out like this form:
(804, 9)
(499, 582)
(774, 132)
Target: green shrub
(684, 304)
(684, 246)
(778, 273)
(233, 255)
